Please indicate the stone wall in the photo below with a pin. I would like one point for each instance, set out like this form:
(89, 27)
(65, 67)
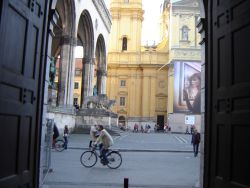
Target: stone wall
(86, 121)
(62, 119)
(177, 122)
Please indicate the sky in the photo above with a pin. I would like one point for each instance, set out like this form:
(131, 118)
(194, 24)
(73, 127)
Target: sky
(151, 23)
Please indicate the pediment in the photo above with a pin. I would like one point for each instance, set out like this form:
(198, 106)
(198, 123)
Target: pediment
(122, 111)
(123, 93)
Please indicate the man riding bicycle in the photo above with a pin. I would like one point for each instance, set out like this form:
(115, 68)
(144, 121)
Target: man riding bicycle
(105, 141)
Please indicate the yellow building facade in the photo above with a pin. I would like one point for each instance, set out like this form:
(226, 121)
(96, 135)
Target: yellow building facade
(184, 61)
(137, 78)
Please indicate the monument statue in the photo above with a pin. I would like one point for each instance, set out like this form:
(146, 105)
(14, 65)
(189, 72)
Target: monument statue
(95, 91)
(52, 72)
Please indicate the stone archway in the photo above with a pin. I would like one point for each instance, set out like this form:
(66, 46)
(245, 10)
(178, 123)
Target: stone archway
(100, 66)
(62, 50)
(85, 34)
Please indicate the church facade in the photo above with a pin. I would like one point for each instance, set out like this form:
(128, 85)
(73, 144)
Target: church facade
(137, 77)
(184, 73)
(141, 78)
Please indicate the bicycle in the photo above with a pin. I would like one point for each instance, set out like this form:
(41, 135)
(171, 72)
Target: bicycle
(89, 158)
(59, 145)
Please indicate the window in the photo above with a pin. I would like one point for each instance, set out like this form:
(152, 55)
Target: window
(76, 85)
(122, 101)
(124, 44)
(184, 33)
(57, 71)
(126, 1)
(78, 72)
(123, 83)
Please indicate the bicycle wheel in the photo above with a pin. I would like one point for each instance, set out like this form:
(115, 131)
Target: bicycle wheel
(59, 145)
(88, 159)
(115, 159)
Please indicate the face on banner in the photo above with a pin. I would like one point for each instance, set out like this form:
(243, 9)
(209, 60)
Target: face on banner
(187, 86)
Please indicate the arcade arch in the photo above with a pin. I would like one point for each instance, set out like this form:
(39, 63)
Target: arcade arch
(62, 50)
(100, 66)
(85, 34)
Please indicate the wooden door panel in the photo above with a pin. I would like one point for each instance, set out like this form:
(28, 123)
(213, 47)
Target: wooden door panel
(22, 33)
(240, 154)
(231, 95)
(8, 160)
(240, 39)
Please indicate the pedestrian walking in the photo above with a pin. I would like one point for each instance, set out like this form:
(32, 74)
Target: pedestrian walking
(196, 137)
(65, 136)
(55, 135)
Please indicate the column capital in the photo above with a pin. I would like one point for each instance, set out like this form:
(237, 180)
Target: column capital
(88, 60)
(101, 72)
(67, 39)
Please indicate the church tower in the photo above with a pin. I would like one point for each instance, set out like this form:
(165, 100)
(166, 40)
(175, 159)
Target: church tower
(127, 17)
(165, 18)
(135, 78)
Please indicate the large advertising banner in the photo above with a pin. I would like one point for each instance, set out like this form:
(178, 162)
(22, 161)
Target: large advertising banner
(187, 87)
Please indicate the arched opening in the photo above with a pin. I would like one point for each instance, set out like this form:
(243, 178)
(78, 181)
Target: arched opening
(227, 132)
(85, 35)
(124, 43)
(100, 67)
(184, 33)
(78, 79)
(61, 55)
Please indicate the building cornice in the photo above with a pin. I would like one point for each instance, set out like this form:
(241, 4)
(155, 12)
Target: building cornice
(103, 12)
(135, 66)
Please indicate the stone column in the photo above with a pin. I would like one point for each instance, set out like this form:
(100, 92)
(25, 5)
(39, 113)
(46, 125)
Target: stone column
(101, 81)
(146, 93)
(67, 71)
(88, 77)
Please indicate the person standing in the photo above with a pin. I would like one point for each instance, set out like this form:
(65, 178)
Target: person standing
(105, 141)
(136, 127)
(187, 130)
(196, 137)
(55, 135)
(65, 136)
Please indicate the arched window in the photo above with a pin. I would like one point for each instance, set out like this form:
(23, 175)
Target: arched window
(124, 44)
(184, 33)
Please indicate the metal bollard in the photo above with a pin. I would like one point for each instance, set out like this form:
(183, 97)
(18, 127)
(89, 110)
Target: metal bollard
(125, 182)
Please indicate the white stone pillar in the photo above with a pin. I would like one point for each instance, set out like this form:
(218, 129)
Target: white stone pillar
(102, 81)
(88, 77)
(66, 71)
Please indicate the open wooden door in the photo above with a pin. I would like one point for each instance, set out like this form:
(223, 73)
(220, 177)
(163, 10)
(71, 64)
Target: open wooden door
(229, 94)
(22, 36)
